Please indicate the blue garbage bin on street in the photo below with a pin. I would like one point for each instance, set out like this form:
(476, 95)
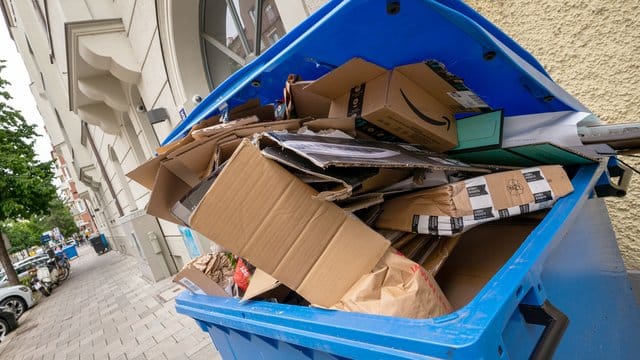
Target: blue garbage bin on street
(562, 292)
(70, 251)
(99, 243)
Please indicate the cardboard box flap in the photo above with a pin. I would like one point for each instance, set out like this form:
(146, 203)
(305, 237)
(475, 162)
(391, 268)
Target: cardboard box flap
(211, 130)
(174, 145)
(430, 75)
(349, 75)
(226, 149)
(345, 179)
(145, 174)
(182, 171)
(184, 208)
(346, 125)
(304, 102)
(249, 108)
(327, 151)
(177, 174)
(168, 189)
(260, 283)
(361, 202)
(261, 212)
(198, 283)
(350, 251)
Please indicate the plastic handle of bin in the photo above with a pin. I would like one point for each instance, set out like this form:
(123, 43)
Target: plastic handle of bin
(608, 187)
(555, 323)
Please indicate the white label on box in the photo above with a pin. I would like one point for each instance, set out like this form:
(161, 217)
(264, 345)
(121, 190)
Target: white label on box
(467, 99)
(191, 286)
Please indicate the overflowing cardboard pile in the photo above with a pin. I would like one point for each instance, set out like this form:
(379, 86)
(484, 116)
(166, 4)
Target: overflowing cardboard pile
(316, 202)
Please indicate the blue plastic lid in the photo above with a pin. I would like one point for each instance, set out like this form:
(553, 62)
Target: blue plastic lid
(492, 65)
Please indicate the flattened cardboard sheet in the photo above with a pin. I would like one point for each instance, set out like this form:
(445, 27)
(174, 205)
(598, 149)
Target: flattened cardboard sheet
(451, 209)
(339, 152)
(261, 212)
(343, 180)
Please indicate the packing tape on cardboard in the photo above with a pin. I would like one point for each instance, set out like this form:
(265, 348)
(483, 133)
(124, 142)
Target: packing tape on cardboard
(482, 206)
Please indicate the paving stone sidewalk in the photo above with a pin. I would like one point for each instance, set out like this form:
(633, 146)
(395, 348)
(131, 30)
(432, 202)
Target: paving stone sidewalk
(106, 310)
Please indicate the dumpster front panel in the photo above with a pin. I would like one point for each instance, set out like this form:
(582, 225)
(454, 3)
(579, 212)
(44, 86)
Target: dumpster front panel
(544, 268)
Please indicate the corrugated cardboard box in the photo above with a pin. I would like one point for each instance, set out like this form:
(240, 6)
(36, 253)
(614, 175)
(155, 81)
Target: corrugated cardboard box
(410, 102)
(259, 211)
(302, 103)
(454, 208)
(171, 175)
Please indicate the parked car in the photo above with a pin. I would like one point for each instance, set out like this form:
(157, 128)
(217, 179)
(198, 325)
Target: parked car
(17, 298)
(8, 322)
(22, 268)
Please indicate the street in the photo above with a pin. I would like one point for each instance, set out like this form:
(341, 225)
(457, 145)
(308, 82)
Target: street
(106, 310)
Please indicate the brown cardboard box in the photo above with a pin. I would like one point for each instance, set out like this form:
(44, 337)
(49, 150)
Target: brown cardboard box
(456, 207)
(259, 211)
(303, 102)
(170, 176)
(410, 102)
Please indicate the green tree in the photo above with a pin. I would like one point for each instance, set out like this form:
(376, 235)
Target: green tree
(23, 234)
(59, 216)
(25, 183)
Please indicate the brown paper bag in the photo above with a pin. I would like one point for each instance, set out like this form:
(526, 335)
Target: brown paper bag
(396, 287)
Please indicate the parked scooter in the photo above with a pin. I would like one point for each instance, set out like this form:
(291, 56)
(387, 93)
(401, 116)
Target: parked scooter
(37, 284)
(48, 273)
(63, 265)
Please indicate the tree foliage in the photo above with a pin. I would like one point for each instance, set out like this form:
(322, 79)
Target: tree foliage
(23, 234)
(25, 183)
(59, 216)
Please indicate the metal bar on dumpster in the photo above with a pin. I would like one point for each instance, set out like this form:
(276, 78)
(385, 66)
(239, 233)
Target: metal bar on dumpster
(258, 26)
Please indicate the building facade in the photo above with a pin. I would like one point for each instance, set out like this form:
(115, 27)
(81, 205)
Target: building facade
(112, 78)
(80, 209)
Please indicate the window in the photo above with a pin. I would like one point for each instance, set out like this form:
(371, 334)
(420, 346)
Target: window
(43, 17)
(270, 13)
(58, 119)
(122, 179)
(252, 15)
(80, 206)
(44, 86)
(28, 45)
(228, 34)
(273, 36)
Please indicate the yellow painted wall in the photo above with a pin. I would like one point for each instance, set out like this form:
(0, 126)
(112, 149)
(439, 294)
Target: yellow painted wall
(592, 49)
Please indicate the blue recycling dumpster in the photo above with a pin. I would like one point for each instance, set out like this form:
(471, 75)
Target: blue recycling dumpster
(70, 251)
(563, 291)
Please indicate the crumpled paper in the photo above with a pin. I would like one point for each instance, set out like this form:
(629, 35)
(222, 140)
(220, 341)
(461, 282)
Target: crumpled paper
(216, 266)
(396, 287)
